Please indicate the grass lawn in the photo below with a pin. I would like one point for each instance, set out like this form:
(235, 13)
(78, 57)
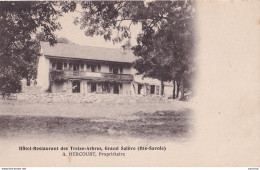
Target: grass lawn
(137, 120)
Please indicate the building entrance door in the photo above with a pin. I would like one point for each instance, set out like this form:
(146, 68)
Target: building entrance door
(93, 87)
(76, 86)
(116, 88)
(140, 89)
(152, 89)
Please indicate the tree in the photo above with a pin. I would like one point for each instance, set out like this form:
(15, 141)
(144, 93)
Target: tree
(18, 22)
(164, 46)
(63, 40)
(27, 67)
(172, 45)
(41, 37)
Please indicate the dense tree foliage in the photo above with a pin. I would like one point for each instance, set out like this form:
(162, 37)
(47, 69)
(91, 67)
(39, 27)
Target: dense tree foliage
(41, 37)
(172, 51)
(19, 21)
(27, 67)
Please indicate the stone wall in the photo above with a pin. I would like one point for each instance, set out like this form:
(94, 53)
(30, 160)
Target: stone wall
(85, 98)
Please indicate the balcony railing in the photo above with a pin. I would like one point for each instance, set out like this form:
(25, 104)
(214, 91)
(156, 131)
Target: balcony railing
(82, 74)
(117, 77)
(99, 76)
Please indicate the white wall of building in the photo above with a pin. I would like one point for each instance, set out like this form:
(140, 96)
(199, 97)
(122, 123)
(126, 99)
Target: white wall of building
(43, 72)
(104, 68)
(43, 81)
(168, 91)
(126, 88)
(127, 70)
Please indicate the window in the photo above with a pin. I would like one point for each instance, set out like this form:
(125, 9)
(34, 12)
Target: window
(116, 88)
(140, 89)
(59, 66)
(82, 67)
(93, 68)
(99, 88)
(121, 70)
(65, 66)
(75, 67)
(93, 87)
(106, 87)
(113, 69)
(70, 66)
(152, 89)
(99, 68)
(75, 86)
(53, 66)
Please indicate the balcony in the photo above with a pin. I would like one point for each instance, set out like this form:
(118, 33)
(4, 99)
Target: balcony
(99, 76)
(81, 74)
(117, 77)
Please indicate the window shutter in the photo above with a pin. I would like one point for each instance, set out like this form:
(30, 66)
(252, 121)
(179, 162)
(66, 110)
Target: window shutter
(157, 90)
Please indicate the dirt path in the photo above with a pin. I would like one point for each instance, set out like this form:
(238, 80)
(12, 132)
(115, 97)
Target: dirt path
(138, 120)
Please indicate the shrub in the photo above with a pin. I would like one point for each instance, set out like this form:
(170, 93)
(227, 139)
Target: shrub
(57, 76)
(10, 83)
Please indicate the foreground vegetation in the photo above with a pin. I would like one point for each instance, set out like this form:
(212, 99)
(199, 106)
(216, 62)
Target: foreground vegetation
(86, 120)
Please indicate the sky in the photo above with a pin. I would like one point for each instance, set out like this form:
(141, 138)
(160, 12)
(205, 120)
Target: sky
(73, 33)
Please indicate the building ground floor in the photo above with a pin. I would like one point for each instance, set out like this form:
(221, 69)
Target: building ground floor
(113, 87)
(90, 86)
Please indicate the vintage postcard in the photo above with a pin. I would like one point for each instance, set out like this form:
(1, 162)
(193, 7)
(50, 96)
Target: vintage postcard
(130, 83)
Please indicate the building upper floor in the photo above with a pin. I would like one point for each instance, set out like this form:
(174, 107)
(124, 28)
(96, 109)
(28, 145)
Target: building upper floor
(93, 58)
(96, 64)
(77, 65)
(78, 61)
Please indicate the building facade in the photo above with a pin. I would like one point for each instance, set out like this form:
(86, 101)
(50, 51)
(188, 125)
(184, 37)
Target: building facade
(69, 68)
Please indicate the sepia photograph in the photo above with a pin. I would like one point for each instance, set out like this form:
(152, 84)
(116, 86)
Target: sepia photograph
(139, 85)
(129, 83)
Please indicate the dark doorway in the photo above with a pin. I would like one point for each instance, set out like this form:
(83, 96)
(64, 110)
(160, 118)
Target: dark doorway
(93, 87)
(76, 86)
(116, 88)
(106, 87)
(152, 89)
(140, 86)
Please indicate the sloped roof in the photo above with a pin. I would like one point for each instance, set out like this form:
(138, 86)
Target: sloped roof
(151, 81)
(86, 52)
